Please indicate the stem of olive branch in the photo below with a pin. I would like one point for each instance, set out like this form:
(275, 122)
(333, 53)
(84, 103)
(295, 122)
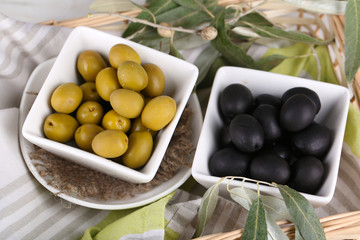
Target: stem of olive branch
(137, 20)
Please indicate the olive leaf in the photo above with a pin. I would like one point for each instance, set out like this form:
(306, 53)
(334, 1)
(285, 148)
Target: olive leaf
(195, 5)
(278, 33)
(187, 17)
(112, 6)
(352, 39)
(204, 62)
(269, 62)
(321, 6)
(174, 52)
(233, 53)
(275, 209)
(274, 231)
(297, 234)
(255, 226)
(302, 214)
(274, 206)
(149, 37)
(155, 7)
(210, 75)
(207, 208)
(254, 18)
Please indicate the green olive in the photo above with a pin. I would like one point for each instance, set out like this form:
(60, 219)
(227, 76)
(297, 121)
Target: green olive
(139, 150)
(138, 126)
(110, 143)
(156, 80)
(106, 82)
(85, 134)
(132, 76)
(89, 63)
(66, 98)
(60, 127)
(113, 120)
(90, 112)
(127, 103)
(158, 112)
(120, 53)
(89, 92)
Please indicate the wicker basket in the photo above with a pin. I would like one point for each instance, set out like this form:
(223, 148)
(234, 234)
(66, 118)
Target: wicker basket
(341, 226)
(336, 227)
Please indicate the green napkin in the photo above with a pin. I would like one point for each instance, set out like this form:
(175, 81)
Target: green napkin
(301, 61)
(146, 222)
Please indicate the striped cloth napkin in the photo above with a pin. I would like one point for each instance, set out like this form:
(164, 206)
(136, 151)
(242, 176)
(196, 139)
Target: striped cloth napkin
(29, 211)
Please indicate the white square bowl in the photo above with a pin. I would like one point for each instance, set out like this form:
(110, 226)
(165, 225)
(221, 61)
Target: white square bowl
(333, 113)
(180, 80)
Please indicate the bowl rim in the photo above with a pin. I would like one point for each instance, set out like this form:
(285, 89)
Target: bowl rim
(207, 180)
(175, 182)
(76, 36)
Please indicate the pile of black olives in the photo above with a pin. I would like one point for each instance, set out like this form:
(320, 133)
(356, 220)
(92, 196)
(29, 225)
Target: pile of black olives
(272, 138)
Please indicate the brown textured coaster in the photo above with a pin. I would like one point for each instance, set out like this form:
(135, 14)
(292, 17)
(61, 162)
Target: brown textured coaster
(81, 182)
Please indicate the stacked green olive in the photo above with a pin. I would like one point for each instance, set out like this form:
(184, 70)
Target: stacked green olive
(116, 109)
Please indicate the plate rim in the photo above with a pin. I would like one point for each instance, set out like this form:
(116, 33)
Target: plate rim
(23, 143)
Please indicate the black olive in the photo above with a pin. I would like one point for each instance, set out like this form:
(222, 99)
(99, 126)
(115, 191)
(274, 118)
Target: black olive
(246, 133)
(229, 162)
(267, 115)
(282, 150)
(235, 99)
(314, 140)
(270, 168)
(225, 139)
(297, 113)
(268, 99)
(307, 174)
(303, 90)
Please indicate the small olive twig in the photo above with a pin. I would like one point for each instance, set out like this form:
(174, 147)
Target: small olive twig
(244, 179)
(137, 20)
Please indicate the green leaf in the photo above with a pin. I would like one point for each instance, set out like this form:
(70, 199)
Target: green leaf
(204, 61)
(188, 41)
(269, 62)
(183, 41)
(352, 39)
(297, 234)
(255, 226)
(174, 52)
(207, 82)
(274, 231)
(254, 18)
(302, 213)
(196, 5)
(112, 6)
(193, 4)
(278, 33)
(233, 53)
(186, 17)
(207, 208)
(275, 207)
(156, 7)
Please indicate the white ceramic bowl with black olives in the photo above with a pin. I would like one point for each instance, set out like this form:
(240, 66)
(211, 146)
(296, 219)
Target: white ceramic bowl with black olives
(272, 128)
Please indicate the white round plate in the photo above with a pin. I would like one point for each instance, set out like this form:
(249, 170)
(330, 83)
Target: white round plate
(33, 86)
